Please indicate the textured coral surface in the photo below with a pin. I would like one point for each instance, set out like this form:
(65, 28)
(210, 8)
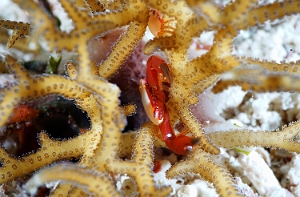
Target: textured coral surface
(70, 73)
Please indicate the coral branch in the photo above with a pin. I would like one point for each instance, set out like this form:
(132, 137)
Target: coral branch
(141, 167)
(95, 184)
(209, 9)
(291, 67)
(94, 5)
(235, 12)
(101, 149)
(121, 49)
(208, 170)
(259, 80)
(50, 151)
(272, 11)
(20, 29)
(284, 139)
(34, 87)
(178, 9)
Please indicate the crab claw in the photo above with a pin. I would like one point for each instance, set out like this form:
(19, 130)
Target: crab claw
(183, 144)
(154, 113)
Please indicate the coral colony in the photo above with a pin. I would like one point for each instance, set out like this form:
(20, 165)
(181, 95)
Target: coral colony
(137, 116)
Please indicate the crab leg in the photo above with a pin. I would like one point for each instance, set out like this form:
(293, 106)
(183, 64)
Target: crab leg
(180, 144)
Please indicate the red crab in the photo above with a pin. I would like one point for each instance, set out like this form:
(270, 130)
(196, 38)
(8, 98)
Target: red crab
(154, 90)
(23, 113)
